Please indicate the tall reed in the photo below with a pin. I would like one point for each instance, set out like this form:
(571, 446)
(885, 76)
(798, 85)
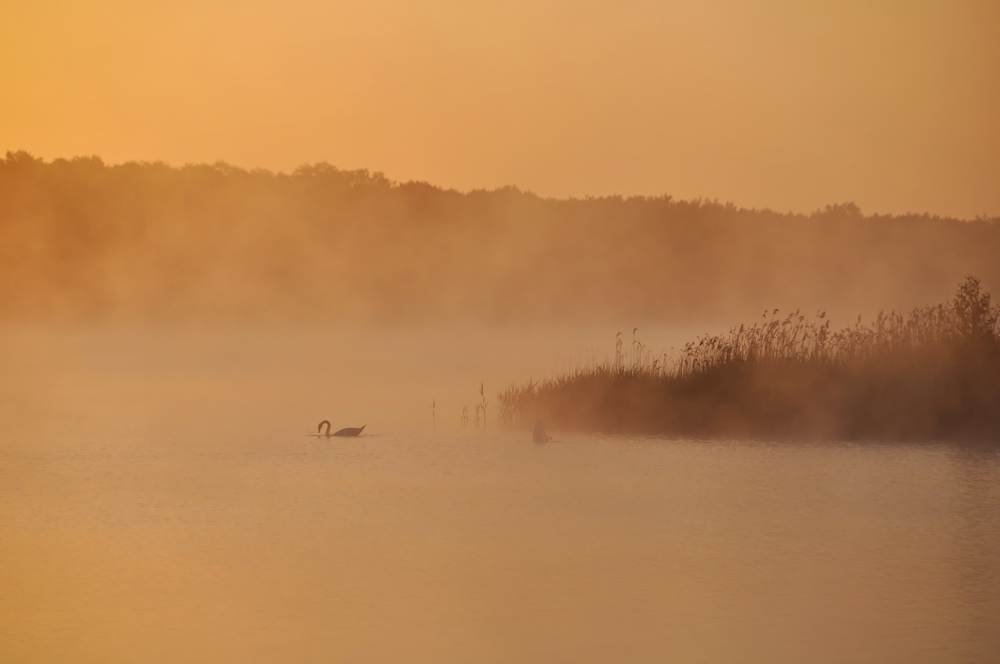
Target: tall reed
(933, 373)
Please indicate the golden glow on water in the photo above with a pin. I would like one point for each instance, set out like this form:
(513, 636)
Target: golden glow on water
(155, 508)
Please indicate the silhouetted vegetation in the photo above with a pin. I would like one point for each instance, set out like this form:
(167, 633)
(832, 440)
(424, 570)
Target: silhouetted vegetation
(82, 239)
(932, 374)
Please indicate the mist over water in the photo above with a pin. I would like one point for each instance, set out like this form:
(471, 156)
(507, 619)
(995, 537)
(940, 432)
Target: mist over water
(172, 337)
(278, 379)
(160, 500)
(668, 328)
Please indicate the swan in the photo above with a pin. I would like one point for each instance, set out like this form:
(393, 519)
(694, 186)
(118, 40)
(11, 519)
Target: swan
(539, 435)
(348, 431)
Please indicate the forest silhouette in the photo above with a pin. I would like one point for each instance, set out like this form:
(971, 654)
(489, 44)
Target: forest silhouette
(83, 240)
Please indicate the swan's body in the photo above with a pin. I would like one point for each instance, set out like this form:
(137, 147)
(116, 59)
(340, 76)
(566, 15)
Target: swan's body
(539, 435)
(348, 431)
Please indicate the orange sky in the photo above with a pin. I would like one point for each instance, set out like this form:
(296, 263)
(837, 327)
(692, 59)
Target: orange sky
(778, 103)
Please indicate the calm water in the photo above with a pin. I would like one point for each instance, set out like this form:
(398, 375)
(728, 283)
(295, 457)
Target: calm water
(160, 502)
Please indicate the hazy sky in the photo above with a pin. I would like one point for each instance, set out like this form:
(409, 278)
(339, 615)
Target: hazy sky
(778, 103)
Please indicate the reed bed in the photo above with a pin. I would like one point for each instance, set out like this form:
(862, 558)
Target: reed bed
(931, 374)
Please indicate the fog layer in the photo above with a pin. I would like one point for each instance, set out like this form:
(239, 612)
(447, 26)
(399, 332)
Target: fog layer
(82, 240)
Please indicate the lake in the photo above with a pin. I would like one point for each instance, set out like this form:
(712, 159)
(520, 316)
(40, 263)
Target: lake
(162, 501)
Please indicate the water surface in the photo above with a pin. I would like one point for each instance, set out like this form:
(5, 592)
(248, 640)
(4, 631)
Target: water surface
(160, 501)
